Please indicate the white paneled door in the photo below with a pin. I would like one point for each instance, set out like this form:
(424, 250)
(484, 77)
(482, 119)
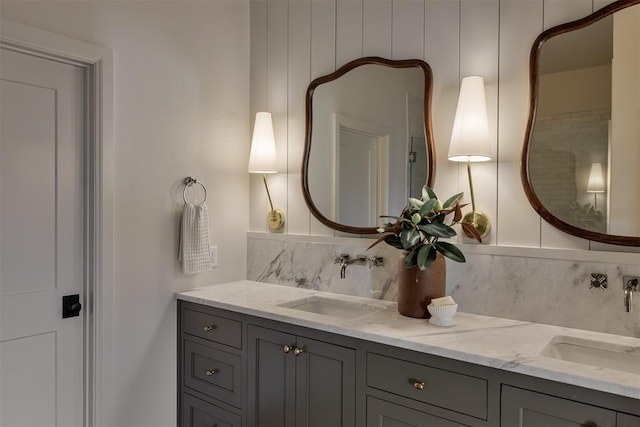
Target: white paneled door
(41, 240)
(357, 180)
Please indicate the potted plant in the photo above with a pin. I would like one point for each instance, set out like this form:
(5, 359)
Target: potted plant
(417, 232)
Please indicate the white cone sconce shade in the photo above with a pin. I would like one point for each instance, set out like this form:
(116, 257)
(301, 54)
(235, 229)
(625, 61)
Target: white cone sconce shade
(596, 179)
(470, 137)
(262, 158)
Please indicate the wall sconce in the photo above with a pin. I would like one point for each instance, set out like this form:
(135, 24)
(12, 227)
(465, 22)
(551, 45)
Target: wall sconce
(595, 184)
(262, 159)
(470, 141)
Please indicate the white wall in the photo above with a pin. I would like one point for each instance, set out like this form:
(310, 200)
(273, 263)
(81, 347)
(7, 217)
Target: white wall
(297, 40)
(181, 108)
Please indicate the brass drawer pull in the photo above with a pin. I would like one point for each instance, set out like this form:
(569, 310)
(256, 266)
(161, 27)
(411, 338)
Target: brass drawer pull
(208, 328)
(211, 372)
(298, 351)
(286, 348)
(419, 385)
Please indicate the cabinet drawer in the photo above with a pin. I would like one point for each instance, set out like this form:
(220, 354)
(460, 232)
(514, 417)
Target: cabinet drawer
(457, 392)
(381, 413)
(625, 420)
(525, 408)
(213, 372)
(214, 328)
(197, 413)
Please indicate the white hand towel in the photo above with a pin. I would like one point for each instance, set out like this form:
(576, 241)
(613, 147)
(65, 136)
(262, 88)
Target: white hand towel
(195, 251)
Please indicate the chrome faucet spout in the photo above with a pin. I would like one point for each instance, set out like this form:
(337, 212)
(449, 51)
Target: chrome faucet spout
(343, 269)
(631, 285)
(628, 299)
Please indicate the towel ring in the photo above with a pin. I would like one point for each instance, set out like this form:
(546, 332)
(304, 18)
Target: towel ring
(188, 182)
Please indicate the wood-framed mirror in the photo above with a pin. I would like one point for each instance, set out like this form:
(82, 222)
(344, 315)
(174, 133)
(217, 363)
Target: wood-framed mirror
(580, 159)
(368, 142)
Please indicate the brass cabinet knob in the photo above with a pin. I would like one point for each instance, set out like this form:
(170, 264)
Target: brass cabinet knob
(298, 351)
(208, 328)
(211, 372)
(419, 385)
(286, 348)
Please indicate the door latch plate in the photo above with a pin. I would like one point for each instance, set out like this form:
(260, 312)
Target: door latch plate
(71, 306)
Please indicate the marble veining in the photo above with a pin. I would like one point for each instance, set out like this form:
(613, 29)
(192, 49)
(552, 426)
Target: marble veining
(549, 291)
(500, 343)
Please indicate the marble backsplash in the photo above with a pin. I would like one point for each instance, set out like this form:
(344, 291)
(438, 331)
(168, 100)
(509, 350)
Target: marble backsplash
(549, 291)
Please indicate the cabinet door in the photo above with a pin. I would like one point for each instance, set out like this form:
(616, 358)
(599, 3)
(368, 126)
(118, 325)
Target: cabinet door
(381, 413)
(626, 420)
(523, 408)
(271, 399)
(198, 413)
(325, 384)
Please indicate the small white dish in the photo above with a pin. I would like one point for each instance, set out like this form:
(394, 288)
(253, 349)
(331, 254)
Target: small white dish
(442, 315)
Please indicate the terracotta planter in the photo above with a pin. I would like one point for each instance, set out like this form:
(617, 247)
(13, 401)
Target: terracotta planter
(417, 288)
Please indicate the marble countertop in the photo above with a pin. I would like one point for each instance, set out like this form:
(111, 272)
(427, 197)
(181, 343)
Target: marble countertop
(506, 344)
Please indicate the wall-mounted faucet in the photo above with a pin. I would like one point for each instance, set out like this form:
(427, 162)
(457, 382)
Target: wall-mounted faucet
(345, 260)
(631, 285)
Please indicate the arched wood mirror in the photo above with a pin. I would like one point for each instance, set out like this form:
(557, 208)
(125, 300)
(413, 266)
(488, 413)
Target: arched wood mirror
(581, 155)
(369, 144)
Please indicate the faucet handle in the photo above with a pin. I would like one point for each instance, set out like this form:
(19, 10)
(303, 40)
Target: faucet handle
(631, 282)
(341, 258)
(376, 261)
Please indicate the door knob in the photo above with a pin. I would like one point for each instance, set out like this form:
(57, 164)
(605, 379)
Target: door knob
(71, 306)
(298, 351)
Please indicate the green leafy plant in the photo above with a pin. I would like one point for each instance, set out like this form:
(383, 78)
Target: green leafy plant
(420, 227)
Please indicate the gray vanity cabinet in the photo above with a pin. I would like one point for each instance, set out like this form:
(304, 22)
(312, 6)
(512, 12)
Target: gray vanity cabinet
(240, 370)
(298, 381)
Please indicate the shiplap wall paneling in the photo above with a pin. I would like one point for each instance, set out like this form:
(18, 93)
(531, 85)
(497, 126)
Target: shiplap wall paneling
(348, 31)
(442, 53)
(598, 4)
(323, 61)
(517, 223)
(479, 29)
(277, 99)
(407, 29)
(457, 38)
(258, 53)
(299, 73)
(376, 28)
(557, 12)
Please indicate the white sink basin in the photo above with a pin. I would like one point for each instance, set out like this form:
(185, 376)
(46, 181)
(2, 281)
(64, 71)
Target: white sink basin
(594, 353)
(332, 307)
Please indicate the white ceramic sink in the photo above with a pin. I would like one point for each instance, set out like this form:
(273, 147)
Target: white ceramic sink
(594, 353)
(332, 307)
